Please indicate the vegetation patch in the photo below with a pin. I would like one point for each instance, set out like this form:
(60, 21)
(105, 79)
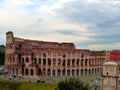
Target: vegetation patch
(9, 85)
(72, 84)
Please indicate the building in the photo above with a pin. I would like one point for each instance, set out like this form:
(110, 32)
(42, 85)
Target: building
(110, 76)
(30, 58)
(115, 56)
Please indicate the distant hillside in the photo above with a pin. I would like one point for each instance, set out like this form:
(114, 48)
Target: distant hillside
(2, 54)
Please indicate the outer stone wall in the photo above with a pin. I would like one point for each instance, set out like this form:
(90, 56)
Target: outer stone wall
(30, 58)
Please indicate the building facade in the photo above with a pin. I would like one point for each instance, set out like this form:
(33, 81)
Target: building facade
(110, 76)
(115, 56)
(30, 58)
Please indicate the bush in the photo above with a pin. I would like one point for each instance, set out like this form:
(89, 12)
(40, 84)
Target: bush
(9, 85)
(72, 84)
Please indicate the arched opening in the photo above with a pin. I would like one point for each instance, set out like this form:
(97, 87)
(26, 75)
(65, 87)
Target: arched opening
(49, 61)
(39, 72)
(64, 56)
(82, 62)
(59, 61)
(68, 62)
(85, 71)
(68, 72)
(54, 61)
(44, 55)
(53, 72)
(82, 55)
(44, 61)
(89, 71)
(63, 72)
(27, 59)
(63, 63)
(92, 71)
(81, 72)
(39, 61)
(73, 62)
(48, 72)
(19, 57)
(73, 72)
(58, 72)
(77, 63)
(77, 72)
(31, 72)
(26, 71)
(86, 62)
(44, 72)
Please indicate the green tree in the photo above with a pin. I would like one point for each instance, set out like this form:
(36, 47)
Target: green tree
(2, 58)
(72, 84)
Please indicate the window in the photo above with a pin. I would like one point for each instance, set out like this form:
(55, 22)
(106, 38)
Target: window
(49, 61)
(44, 55)
(44, 61)
(64, 56)
(27, 59)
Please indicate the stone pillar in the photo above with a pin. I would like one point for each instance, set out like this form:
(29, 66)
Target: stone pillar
(56, 62)
(66, 61)
(51, 72)
(61, 61)
(65, 72)
(35, 72)
(61, 72)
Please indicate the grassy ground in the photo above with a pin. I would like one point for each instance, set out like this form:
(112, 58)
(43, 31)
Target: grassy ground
(16, 85)
(36, 86)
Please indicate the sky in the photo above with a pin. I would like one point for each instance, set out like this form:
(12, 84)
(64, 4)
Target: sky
(89, 24)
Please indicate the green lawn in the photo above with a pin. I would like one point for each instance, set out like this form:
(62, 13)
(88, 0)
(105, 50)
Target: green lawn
(16, 85)
(36, 86)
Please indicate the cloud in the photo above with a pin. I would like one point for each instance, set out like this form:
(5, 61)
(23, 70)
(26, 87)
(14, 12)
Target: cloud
(101, 18)
(66, 32)
(87, 23)
(88, 12)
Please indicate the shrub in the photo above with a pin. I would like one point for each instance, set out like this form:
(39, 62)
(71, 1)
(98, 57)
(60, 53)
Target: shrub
(72, 84)
(9, 85)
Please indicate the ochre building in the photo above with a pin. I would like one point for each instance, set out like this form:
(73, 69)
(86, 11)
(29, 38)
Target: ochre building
(31, 58)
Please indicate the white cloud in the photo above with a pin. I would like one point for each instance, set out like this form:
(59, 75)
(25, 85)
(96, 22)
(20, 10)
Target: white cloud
(43, 20)
(105, 46)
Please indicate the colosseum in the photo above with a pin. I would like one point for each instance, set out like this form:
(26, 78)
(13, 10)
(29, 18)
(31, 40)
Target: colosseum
(32, 58)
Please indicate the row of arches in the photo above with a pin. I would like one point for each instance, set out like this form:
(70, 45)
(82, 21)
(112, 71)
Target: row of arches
(58, 72)
(68, 72)
(63, 62)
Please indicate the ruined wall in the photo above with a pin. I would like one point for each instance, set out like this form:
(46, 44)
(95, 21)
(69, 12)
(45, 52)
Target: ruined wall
(31, 58)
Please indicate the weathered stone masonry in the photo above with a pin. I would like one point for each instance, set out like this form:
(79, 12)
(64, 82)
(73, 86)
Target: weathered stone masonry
(30, 58)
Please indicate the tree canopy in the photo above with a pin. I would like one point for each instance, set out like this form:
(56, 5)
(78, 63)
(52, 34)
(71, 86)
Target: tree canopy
(2, 54)
(72, 84)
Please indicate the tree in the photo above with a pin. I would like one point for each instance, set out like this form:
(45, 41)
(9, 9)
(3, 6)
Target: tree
(2, 58)
(72, 84)
(2, 54)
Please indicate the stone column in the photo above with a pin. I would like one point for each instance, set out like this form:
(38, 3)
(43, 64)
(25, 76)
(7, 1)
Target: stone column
(51, 72)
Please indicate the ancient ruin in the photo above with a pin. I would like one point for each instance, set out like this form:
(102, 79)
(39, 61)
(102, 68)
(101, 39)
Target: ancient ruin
(31, 58)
